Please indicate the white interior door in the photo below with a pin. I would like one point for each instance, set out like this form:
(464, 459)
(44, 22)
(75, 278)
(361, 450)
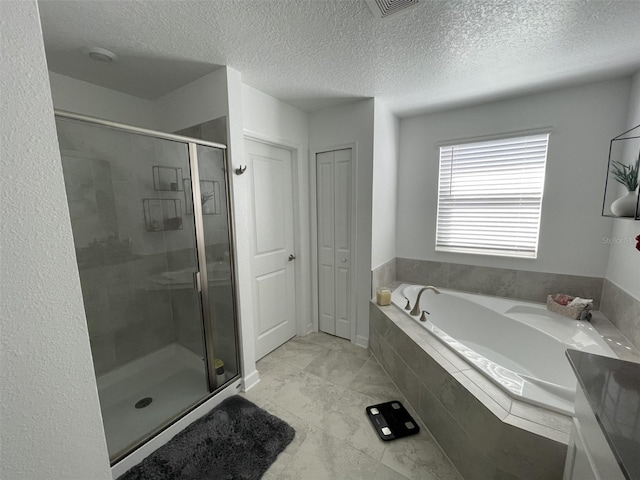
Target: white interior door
(334, 204)
(272, 255)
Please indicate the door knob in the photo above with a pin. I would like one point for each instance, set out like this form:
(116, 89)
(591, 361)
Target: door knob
(292, 257)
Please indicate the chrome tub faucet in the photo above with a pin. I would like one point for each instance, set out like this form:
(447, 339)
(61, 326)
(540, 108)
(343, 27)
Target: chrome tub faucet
(416, 308)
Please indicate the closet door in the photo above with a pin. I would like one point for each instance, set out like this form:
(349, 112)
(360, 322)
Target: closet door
(326, 249)
(334, 204)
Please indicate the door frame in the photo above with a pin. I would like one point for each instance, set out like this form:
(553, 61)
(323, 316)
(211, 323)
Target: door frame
(300, 244)
(314, 231)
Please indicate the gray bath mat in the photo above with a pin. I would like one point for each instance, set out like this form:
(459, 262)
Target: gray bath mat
(236, 440)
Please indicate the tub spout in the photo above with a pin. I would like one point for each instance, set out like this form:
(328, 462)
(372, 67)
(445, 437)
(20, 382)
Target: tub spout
(408, 305)
(416, 307)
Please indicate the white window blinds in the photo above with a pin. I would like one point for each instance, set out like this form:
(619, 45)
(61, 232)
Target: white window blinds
(490, 196)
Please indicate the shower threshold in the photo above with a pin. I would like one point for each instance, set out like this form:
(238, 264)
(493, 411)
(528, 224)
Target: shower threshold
(172, 377)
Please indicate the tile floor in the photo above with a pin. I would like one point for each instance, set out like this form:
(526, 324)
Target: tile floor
(320, 385)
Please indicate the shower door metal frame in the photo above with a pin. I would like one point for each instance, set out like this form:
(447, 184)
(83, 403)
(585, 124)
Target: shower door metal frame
(201, 275)
(202, 282)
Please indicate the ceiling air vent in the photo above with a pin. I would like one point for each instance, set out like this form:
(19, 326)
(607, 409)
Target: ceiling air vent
(384, 8)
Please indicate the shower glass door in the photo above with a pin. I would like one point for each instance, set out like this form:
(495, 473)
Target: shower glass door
(133, 224)
(219, 268)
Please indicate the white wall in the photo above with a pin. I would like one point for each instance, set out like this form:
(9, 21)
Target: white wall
(385, 185)
(242, 226)
(197, 102)
(88, 99)
(583, 118)
(267, 118)
(51, 424)
(624, 260)
(339, 126)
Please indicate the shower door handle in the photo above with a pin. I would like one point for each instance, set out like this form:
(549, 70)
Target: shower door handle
(196, 281)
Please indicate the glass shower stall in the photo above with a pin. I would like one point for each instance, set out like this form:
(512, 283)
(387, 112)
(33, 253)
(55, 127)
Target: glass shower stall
(151, 220)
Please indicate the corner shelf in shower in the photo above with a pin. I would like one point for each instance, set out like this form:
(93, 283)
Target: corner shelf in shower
(162, 214)
(167, 179)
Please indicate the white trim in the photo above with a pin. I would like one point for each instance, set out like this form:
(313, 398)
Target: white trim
(301, 245)
(270, 140)
(250, 381)
(362, 341)
(163, 437)
(313, 226)
(313, 207)
(487, 253)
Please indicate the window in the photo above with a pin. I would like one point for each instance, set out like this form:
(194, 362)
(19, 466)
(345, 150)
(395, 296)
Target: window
(490, 196)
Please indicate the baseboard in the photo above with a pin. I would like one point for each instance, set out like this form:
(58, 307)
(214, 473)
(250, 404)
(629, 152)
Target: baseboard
(362, 341)
(251, 380)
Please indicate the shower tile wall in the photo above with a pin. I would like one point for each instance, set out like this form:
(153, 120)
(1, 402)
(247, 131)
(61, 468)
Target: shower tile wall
(212, 131)
(190, 337)
(125, 321)
(107, 175)
(224, 340)
(383, 276)
(131, 309)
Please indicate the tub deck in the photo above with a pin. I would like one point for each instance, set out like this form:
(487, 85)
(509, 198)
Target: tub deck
(485, 432)
(519, 346)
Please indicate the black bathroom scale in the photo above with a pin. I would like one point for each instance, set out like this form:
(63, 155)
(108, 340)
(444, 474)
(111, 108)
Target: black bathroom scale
(391, 420)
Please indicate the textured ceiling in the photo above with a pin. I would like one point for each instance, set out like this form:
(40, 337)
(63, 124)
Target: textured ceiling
(316, 53)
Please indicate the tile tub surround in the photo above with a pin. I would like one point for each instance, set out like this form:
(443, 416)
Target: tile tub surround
(484, 432)
(623, 310)
(383, 276)
(502, 282)
(616, 340)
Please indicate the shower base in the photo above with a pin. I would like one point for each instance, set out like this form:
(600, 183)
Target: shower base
(173, 378)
